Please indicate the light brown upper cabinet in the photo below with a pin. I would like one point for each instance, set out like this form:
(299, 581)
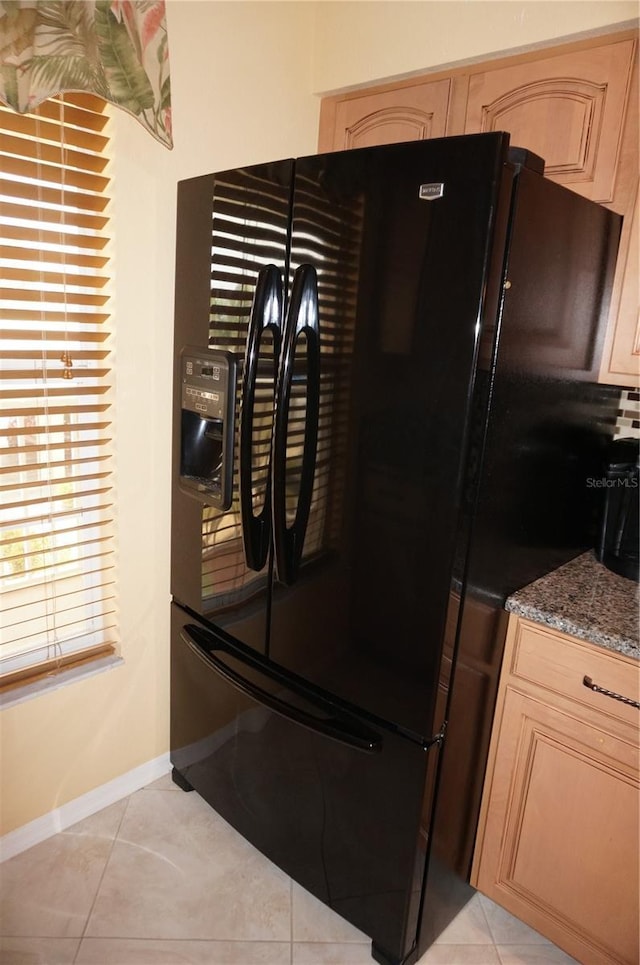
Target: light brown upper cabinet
(579, 111)
(569, 109)
(387, 116)
(576, 106)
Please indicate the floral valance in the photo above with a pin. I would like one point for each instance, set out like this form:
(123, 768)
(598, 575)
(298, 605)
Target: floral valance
(117, 49)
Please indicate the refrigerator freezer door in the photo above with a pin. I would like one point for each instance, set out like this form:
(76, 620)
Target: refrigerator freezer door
(239, 666)
(344, 823)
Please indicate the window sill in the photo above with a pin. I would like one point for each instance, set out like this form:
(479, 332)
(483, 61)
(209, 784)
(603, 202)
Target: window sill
(46, 685)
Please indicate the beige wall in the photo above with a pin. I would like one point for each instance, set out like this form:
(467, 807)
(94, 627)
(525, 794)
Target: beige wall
(233, 102)
(228, 109)
(357, 43)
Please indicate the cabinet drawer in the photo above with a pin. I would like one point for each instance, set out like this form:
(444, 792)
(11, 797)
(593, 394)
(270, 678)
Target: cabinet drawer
(560, 663)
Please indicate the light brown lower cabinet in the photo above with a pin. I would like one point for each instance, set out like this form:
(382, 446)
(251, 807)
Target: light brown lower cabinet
(558, 841)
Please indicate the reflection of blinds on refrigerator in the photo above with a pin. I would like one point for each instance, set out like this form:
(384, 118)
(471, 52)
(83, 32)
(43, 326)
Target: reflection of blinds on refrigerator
(327, 234)
(249, 230)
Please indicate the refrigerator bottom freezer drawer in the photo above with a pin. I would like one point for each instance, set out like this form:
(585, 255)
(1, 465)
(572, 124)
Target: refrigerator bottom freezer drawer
(347, 825)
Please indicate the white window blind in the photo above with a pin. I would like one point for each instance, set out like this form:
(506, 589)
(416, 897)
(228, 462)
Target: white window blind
(57, 559)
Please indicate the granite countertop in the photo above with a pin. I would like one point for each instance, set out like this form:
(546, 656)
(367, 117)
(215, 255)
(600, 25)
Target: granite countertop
(585, 599)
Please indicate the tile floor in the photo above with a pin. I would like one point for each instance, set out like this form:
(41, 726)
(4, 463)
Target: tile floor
(160, 879)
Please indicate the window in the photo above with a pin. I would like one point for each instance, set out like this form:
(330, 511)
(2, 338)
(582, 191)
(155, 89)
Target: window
(57, 560)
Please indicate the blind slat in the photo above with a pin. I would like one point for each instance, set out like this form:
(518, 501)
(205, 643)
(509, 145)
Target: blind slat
(51, 129)
(41, 151)
(33, 276)
(54, 500)
(46, 195)
(62, 318)
(87, 112)
(68, 585)
(53, 410)
(68, 624)
(61, 530)
(49, 174)
(53, 335)
(73, 297)
(34, 392)
(48, 555)
(49, 257)
(99, 598)
(54, 473)
(39, 234)
(13, 209)
(37, 375)
(54, 427)
(62, 514)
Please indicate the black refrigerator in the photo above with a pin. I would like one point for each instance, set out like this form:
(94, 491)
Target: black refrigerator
(385, 419)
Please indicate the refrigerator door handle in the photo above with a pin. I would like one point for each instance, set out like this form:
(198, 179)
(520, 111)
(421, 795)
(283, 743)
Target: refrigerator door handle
(266, 315)
(203, 644)
(302, 321)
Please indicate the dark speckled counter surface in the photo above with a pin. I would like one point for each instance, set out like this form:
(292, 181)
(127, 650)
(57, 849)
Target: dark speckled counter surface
(588, 601)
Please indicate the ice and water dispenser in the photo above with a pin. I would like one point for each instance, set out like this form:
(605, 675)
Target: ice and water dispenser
(208, 399)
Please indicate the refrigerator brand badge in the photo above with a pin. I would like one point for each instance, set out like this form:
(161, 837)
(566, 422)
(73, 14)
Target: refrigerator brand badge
(429, 192)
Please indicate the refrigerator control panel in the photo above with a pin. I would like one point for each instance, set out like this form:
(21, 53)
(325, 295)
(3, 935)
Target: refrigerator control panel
(207, 425)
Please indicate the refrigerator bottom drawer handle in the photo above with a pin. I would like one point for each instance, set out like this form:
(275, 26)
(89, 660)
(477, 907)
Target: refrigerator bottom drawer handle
(345, 731)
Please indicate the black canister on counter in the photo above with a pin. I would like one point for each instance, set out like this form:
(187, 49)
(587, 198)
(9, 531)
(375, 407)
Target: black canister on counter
(619, 533)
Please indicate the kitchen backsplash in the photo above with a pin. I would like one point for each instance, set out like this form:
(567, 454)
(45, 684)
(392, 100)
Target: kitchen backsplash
(628, 421)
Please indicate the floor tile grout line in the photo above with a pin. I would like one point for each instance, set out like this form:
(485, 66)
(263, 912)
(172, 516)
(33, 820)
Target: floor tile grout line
(487, 922)
(104, 871)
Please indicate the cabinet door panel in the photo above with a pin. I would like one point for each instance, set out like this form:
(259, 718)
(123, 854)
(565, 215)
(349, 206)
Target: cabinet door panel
(569, 109)
(391, 116)
(561, 842)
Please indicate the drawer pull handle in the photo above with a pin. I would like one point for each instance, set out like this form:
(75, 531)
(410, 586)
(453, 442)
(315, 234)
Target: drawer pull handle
(588, 682)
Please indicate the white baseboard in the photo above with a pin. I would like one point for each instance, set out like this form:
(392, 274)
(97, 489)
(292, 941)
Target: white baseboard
(82, 807)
